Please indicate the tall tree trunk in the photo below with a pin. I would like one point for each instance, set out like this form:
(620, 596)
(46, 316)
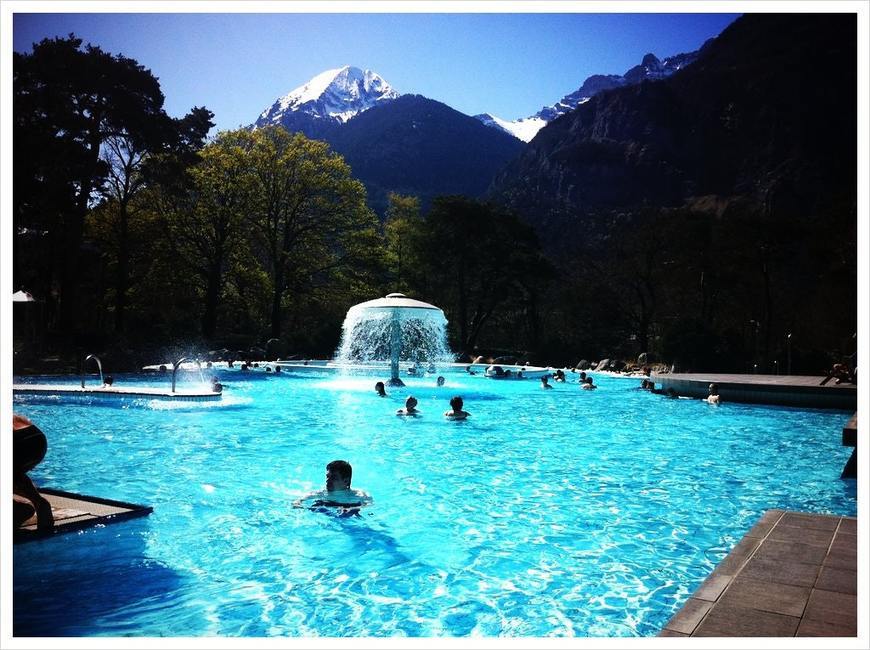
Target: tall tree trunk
(123, 261)
(74, 232)
(277, 292)
(463, 310)
(68, 321)
(212, 296)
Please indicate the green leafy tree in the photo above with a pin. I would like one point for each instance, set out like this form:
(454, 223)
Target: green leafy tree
(308, 214)
(69, 102)
(165, 145)
(478, 260)
(402, 227)
(204, 225)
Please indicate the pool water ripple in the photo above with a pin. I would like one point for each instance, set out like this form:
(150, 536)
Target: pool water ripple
(547, 513)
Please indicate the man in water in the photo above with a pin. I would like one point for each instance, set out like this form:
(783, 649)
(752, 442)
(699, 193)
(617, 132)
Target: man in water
(338, 494)
(456, 412)
(380, 390)
(410, 407)
(544, 383)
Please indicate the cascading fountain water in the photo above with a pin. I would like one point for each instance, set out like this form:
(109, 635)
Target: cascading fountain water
(395, 329)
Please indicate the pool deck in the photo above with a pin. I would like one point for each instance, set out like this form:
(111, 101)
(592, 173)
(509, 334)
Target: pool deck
(783, 390)
(792, 574)
(115, 391)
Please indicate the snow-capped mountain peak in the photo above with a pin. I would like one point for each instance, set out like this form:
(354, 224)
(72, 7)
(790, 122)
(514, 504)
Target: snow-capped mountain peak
(334, 95)
(524, 129)
(650, 68)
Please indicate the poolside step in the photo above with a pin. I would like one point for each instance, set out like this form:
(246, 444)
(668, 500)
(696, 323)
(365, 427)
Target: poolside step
(75, 511)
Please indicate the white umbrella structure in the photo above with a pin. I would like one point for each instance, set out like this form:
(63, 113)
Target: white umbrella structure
(22, 296)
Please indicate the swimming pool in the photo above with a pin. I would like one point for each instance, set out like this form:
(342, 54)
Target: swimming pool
(547, 513)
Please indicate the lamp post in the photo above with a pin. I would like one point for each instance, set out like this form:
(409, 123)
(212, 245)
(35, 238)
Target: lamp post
(788, 348)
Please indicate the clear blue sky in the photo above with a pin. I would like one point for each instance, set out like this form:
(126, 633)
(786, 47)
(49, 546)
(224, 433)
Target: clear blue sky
(509, 65)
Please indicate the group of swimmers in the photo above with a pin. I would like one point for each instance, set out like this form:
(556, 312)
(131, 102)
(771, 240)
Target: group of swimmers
(413, 370)
(584, 381)
(410, 408)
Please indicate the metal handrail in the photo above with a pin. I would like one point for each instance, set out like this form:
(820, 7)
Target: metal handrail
(99, 367)
(178, 363)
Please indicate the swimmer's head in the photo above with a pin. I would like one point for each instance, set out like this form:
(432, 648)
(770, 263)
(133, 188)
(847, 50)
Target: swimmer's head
(338, 475)
(456, 403)
(440, 381)
(379, 389)
(411, 402)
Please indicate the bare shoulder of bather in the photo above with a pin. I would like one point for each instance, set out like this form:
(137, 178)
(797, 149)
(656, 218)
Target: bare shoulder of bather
(456, 415)
(408, 412)
(342, 499)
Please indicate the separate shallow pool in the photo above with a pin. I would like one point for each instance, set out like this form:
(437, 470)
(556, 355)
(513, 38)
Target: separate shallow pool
(548, 513)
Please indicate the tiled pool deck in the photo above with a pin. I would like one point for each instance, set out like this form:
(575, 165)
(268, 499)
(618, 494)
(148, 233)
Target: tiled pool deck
(793, 574)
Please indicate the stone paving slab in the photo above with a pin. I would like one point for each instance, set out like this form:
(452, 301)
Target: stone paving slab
(793, 574)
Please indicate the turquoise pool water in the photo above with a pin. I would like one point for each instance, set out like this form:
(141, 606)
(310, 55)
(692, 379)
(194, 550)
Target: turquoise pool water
(547, 513)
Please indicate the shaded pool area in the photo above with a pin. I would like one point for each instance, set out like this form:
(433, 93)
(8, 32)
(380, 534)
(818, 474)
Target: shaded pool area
(560, 512)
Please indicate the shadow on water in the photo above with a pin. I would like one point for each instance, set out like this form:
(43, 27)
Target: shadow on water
(91, 589)
(366, 537)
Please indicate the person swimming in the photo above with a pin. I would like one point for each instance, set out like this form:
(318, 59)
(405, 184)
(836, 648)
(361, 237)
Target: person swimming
(456, 412)
(544, 383)
(380, 390)
(410, 407)
(439, 381)
(338, 497)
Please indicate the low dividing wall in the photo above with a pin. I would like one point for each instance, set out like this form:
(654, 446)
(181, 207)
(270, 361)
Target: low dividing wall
(783, 390)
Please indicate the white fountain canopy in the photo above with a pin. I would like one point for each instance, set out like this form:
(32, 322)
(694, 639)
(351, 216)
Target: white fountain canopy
(394, 328)
(392, 301)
